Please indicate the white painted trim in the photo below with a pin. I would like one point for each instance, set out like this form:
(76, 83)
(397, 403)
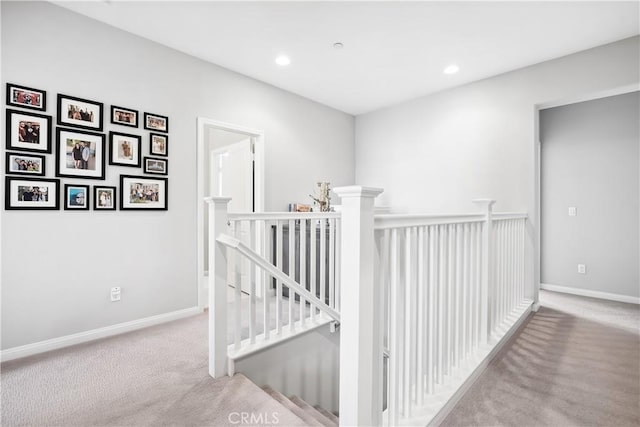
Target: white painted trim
(591, 294)
(94, 334)
(479, 369)
(590, 96)
(202, 123)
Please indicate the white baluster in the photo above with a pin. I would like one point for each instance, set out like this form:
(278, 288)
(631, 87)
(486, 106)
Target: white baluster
(312, 263)
(279, 250)
(252, 285)
(292, 272)
(332, 257)
(323, 260)
(303, 268)
(420, 330)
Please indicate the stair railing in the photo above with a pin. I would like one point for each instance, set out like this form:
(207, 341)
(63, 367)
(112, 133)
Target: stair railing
(434, 293)
(271, 276)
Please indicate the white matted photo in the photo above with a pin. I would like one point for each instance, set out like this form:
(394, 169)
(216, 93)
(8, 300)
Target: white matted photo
(25, 164)
(31, 193)
(28, 131)
(80, 154)
(124, 149)
(143, 193)
(78, 112)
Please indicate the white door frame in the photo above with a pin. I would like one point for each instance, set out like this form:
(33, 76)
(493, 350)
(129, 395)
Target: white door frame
(538, 165)
(203, 124)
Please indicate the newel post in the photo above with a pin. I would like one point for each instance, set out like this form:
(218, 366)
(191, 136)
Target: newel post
(486, 267)
(217, 263)
(361, 316)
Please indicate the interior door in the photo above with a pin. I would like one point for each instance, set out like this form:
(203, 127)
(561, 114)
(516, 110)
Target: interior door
(232, 176)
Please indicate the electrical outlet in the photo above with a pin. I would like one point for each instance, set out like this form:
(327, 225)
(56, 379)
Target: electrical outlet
(582, 269)
(115, 294)
(573, 211)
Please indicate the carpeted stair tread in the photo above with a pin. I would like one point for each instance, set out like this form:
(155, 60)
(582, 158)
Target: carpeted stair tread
(330, 415)
(312, 412)
(287, 403)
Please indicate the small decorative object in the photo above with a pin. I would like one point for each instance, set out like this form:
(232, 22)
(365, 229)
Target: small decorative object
(80, 113)
(31, 193)
(80, 154)
(104, 198)
(158, 144)
(143, 193)
(124, 149)
(156, 122)
(124, 116)
(26, 97)
(76, 197)
(156, 166)
(28, 131)
(25, 164)
(322, 197)
(299, 207)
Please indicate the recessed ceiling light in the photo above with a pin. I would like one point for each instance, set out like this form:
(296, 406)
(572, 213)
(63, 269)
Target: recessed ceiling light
(451, 69)
(283, 60)
(338, 45)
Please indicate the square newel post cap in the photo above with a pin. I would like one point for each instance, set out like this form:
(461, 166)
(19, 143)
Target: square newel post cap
(217, 200)
(357, 191)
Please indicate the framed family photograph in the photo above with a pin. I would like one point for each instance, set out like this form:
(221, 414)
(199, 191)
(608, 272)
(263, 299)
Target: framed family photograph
(28, 131)
(104, 198)
(80, 154)
(143, 193)
(31, 193)
(26, 97)
(124, 116)
(80, 113)
(25, 164)
(124, 149)
(156, 166)
(76, 197)
(156, 122)
(158, 144)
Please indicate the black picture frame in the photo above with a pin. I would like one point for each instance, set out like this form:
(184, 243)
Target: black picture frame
(104, 205)
(152, 166)
(14, 194)
(124, 116)
(26, 97)
(66, 157)
(135, 196)
(158, 144)
(70, 105)
(16, 161)
(156, 122)
(119, 144)
(76, 197)
(19, 138)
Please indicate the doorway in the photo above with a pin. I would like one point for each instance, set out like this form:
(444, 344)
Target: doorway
(230, 164)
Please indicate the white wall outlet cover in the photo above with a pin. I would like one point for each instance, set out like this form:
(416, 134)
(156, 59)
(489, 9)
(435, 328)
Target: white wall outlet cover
(115, 294)
(582, 269)
(573, 211)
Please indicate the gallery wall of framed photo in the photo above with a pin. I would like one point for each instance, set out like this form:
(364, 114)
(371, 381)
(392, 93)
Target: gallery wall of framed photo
(78, 146)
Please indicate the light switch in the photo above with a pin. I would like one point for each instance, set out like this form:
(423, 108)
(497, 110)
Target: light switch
(573, 211)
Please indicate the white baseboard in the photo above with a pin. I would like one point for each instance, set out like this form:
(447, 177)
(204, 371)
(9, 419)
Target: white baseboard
(94, 334)
(588, 293)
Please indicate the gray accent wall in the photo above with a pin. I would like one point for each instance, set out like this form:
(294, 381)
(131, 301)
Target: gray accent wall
(590, 161)
(58, 267)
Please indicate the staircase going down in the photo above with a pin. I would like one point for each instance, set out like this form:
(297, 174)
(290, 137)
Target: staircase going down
(311, 416)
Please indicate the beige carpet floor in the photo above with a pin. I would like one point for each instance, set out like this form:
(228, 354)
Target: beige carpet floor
(575, 363)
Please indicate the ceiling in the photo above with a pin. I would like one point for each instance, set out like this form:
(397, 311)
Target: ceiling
(393, 51)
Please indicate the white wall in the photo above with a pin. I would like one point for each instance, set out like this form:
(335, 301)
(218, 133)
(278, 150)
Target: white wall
(58, 267)
(589, 160)
(438, 152)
